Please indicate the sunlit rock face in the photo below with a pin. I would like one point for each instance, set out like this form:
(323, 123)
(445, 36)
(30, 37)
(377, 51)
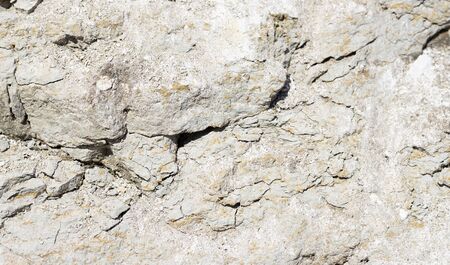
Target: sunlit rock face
(224, 132)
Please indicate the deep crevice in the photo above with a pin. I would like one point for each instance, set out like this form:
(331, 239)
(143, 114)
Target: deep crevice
(234, 206)
(441, 168)
(350, 54)
(185, 138)
(435, 38)
(317, 77)
(11, 112)
(282, 93)
(353, 53)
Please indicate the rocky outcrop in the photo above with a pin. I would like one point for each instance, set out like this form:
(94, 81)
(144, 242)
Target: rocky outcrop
(224, 132)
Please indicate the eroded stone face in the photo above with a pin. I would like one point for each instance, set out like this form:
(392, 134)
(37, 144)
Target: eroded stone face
(224, 132)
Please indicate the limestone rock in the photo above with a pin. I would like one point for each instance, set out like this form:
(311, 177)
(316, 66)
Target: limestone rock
(14, 176)
(40, 72)
(150, 159)
(249, 135)
(246, 195)
(98, 176)
(26, 5)
(4, 145)
(107, 224)
(48, 166)
(114, 208)
(68, 177)
(30, 188)
(443, 177)
(224, 132)
(11, 209)
(222, 218)
(87, 154)
(12, 113)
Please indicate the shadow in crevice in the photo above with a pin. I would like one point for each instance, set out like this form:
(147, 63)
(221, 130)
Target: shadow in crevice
(185, 138)
(282, 93)
(5, 4)
(440, 38)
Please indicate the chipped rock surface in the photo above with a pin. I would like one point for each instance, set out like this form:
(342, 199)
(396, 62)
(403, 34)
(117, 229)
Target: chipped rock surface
(224, 132)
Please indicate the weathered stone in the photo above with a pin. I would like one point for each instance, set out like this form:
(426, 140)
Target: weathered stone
(114, 208)
(247, 135)
(36, 72)
(68, 176)
(246, 195)
(254, 132)
(12, 113)
(98, 176)
(15, 176)
(48, 166)
(222, 218)
(107, 224)
(31, 188)
(8, 257)
(26, 5)
(148, 158)
(4, 145)
(87, 154)
(11, 209)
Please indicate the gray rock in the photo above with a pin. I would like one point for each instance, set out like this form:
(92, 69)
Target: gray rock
(150, 159)
(26, 5)
(31, 188)
(4, 145)
(222, 218)
(11, 209)
(12, 114)
(68, 177)
(107, 224)
(48, 166)
(13, 177)
(39, 72)
(247, 135)
(114, 208)
(203, 132)
(98, 176)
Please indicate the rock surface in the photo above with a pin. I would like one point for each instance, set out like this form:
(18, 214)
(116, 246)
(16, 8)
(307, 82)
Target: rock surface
(224, 132)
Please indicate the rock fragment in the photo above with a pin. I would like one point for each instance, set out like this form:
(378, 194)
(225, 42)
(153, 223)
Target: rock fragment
(31, 188)
(7, 66)
(13, 177)
(246, 195)
(4, 145)
(10, 209)
(151, 159)
(87, 154)
(104, 83)
(98, 176)
(114, 208)
(26, 5)
(48, 166)
(222, 218)
(107, 224)
(68, 177)
(247, 135)
(38, 72)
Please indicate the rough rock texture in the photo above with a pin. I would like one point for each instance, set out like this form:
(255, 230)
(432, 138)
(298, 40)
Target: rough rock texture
(224, 132)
